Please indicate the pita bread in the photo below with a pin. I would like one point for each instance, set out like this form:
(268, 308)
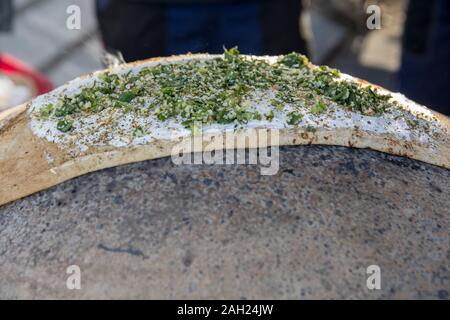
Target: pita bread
(34, 156)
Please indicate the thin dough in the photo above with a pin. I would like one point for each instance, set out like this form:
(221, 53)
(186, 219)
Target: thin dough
(29, 163)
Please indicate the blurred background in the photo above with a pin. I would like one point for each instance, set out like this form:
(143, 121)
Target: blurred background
(42, 47)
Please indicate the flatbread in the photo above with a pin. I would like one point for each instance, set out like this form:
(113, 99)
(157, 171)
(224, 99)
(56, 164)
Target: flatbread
(35, 156)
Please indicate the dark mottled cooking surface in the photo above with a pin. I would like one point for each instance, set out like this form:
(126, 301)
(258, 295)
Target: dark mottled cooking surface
(156, 230)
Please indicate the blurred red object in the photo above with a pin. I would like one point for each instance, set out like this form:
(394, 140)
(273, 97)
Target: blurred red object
(13, 67)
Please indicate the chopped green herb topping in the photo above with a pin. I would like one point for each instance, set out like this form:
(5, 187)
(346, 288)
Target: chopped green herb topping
(270, 115)
(311, 129)
(138, 132)
(64, 125)
(294, 118)
(294, 60)
(46, 111)
(216, 90)
(319, 107)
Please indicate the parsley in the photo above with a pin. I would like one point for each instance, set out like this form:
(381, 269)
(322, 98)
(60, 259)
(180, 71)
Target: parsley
(231, 54)
(46, 111)
(65, 110)
(319, 108)
(294, 60)
(138, 132)
(217, 90)
(294, 118)
(126, 97)
(64, 126)
(270, 115)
